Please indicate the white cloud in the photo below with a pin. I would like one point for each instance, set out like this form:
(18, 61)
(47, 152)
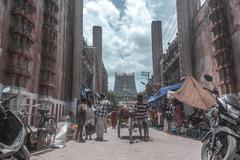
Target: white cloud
(126, 34)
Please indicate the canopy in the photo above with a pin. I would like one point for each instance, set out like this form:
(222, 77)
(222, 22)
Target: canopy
(193, 94)
(163, 91)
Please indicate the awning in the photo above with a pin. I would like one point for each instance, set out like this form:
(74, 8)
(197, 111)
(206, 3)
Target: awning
(193, 94)
(163, 92)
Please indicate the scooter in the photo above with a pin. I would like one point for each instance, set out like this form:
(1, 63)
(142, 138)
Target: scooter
(12, 133)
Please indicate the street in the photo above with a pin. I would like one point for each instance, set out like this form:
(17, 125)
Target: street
(161, 147)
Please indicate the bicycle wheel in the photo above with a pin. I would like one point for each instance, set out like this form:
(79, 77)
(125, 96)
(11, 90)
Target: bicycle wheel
(51, 127)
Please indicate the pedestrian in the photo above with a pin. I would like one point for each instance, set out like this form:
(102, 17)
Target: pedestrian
(81, 117)
(113, 117)
(89, 124)
(142, 110)
(105, 124)
(178, 115)
(101, 116)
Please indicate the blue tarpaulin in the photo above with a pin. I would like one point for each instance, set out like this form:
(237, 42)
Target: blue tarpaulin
(163, 91)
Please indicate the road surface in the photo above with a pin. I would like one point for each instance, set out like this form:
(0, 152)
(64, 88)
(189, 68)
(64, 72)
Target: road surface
(161, 147)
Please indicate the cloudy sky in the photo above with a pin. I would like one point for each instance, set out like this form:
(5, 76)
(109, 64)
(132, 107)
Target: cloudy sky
(126, 26)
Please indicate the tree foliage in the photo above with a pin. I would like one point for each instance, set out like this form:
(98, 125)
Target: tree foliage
(112, 97)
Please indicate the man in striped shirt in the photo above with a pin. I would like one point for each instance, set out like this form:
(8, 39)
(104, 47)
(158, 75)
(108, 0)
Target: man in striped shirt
(142, 112)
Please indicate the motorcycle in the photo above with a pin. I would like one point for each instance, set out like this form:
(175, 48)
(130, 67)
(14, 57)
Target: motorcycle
(12, 133)
(220, 143)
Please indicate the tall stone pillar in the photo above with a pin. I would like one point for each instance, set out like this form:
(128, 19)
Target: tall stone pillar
(157, 50)
(94, 82)
(186, 10)
(97, 43)
(77, 46)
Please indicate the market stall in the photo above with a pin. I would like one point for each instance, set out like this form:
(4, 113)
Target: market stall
(193, 94)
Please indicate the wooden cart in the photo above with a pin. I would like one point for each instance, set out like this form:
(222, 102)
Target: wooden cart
(127, 118)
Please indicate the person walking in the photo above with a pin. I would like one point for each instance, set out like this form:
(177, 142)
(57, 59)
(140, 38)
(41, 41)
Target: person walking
(178, 115)
(89, 124)
(101, 116)
(142, 110)
(81, 117)
(113, 117)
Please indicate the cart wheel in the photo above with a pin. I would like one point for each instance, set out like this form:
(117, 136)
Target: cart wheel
(130, 131)
(119, 128)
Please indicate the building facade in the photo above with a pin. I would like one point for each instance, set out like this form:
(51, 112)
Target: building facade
(170, 64)
(91, 73)
(43, 54)
(207, 43)
(215, 39)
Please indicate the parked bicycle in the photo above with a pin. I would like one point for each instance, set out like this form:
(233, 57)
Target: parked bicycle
(45, 131)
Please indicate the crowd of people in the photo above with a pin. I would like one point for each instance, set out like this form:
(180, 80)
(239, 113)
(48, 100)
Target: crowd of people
(92, 118)
(170, 116)
(167, 114)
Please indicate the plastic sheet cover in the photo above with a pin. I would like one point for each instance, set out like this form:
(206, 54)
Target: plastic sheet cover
(61, 136)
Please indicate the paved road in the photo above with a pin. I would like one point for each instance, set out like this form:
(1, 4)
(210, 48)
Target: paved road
(161, 147)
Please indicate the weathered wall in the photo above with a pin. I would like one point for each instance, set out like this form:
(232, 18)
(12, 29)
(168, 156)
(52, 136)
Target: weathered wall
(204, 61)
(64, 75)
(203, 50)
(234, 25)
(4, 25)
(34, 66)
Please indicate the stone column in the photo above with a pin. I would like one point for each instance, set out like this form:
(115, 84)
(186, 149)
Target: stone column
(97, 43)
(186, 11)
(157, 50)
(77, 47)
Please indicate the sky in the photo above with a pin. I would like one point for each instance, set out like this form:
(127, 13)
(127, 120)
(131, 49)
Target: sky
(126, 26)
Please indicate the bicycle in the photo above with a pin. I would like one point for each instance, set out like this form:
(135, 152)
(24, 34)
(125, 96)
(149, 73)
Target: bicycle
(44, 133)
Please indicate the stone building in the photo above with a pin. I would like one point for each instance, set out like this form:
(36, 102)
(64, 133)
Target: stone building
(43, 54)
(125, 87)
(207, 43)
(90, 71)
(214, 42)
(41, 44)
(170, 64)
